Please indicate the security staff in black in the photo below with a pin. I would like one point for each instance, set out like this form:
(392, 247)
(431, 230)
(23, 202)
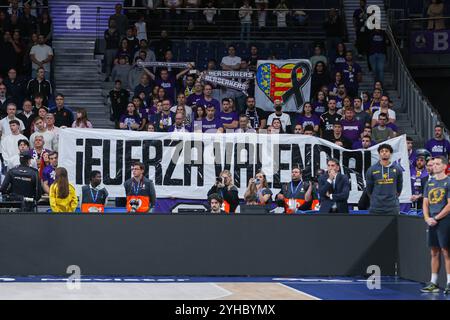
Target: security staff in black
(22, 184)
(93, 197)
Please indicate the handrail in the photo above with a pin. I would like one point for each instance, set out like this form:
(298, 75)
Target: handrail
(423, 115)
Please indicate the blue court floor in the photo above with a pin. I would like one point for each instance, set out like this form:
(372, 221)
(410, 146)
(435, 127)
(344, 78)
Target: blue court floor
(323, 288)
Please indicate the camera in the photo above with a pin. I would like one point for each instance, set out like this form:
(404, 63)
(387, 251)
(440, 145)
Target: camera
(134, 204)
(257, 181)
(219, 180)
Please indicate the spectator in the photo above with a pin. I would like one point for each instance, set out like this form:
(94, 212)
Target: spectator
(208, 99)
(167, 81)
(258, 186)
(338, 138)
(253, 59)
(281, 11)
(121, 20)
(8, 54)
(49, 172)
(50, 125)
(181, 103)
(121, 71)
(141, 28)
(245, 15)
(9, 143)
(124, 51)
(28, 22)
(352, 74)
(382, 133)
(225, 187)
(118, 98)
(320, 104)
(211, 123)
(130, 120)
(351, 128)
(365, 143)
(49, 137)
(143, 46)
(362, 116)
(298, 129)
(375, 102)
(63, 115)
(231, 62)
(334, 30)
(41, 55)
(143, 86)
(256, 116)
(39, 85)
(438, 146)
(296, 195)
(300, 18)
(23, 147)
(308, 118)
(82, 120)
(333, 87)
(165, 118)
(318, 56)
(262, 5)
(45, 26)
(215, 202)
(150, 127)
(4, 100)
(15, 87)
(277, 127)
(359, 22)
(384, 108)
(196, 96)
(284, 117)
(340, 96)
(320, 77)
(188, 87)
(191, 12)
(338, 57)
(141, 110)
(162, 45)
(328, 119)
(112, 39)
(11, 111)
(244, 125)
(62, 194)
(27, 116)
(179, 124)
(378, 41)
(132, 41)
(411, 153)
(228, 117)
(435, 11)
(210, 12)
(38, 150)
(134, 75)
(41, 112)
(334, 189)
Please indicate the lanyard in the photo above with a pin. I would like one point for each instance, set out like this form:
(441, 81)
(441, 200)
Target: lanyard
(136, 188)
(294, 191)
(96, 195)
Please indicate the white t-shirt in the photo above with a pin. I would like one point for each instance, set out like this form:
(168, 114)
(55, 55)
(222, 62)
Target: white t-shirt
(49, 139)
(10, 147)
(231, 61)
(141, 29)
(4, 125)
(284, 118)
(245, 14)
(391, 114)
(41, 52)
(281, 18)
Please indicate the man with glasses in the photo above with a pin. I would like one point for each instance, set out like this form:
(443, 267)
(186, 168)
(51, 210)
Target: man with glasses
(140, 191)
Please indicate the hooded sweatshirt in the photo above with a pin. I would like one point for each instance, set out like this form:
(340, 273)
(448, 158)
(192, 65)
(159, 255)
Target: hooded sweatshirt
(383, 184)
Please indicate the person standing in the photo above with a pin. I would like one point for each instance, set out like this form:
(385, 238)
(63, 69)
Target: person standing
(334, 189)
(296, 195)
(140, 191)
(436, 209)
(228, 192)
(384, 183)
(377, 43)
(93, 196)
(62, 194)
(438, 146)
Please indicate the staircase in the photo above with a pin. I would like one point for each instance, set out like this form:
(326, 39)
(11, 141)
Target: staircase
(403, 121)
(76, 26)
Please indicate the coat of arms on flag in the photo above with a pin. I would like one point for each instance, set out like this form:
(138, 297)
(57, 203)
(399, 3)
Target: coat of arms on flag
(286, 80)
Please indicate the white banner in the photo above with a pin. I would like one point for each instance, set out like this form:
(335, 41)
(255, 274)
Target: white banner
(286, 80)
(185, 165)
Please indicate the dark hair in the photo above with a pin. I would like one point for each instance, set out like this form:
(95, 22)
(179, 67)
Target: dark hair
(442, 158)
(14, 122)
(385, 146)
(308, 128)
(408, 138)
(59, 95)
(23, 141)
(62, 182)
(382, 114)
(336, 161)
(93, 174)
(225, 99)
(215, 196)
(52, 153)
(140, 164)
(439, 126)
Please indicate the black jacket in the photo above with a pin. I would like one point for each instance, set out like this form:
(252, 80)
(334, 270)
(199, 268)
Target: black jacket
(340, 193)
(34, 87)
(230, 196)
(22, 181)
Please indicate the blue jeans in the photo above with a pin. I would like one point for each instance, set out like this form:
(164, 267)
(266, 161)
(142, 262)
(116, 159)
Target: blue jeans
(377, 61)
(245, 31)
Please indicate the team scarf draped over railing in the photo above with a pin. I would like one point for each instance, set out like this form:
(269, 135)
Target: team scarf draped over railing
(226, 83)
(232, 74)
(160, 64)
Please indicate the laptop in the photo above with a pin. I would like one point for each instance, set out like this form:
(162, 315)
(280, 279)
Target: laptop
(254, 209)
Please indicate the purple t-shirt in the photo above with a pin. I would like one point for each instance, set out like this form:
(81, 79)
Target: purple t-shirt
(349, 74)
(144, 112)
(213, 102)
(303, 120)
(227, 118)
(168, 86)
(211, 125)
(374, 106)
(49, 174)
(351, 129)
(193, 99)
(129, 120)
(319, 108)
(438, 147)
(377, 42)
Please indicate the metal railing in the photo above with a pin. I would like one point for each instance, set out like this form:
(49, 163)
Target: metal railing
(423, 115)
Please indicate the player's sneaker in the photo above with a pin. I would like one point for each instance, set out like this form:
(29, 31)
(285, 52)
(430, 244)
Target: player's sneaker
(447, 289)
(430, 288)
